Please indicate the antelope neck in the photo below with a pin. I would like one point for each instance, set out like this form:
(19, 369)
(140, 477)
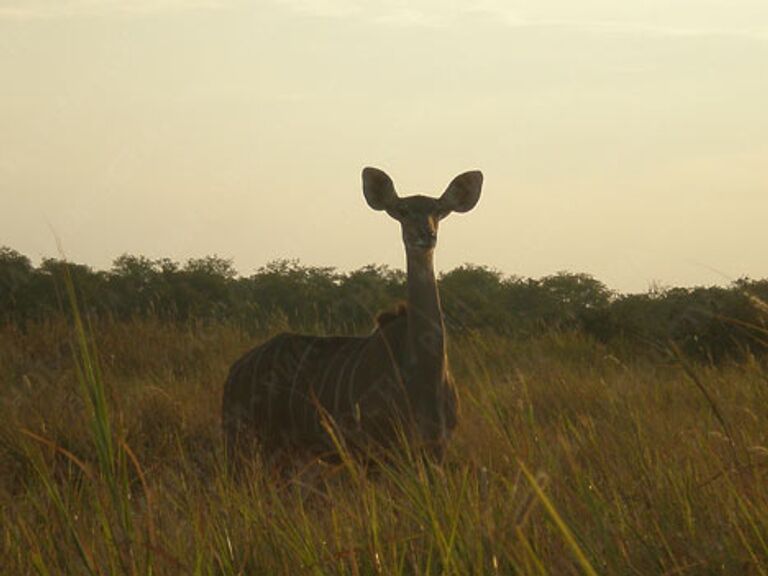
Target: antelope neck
(426, 331)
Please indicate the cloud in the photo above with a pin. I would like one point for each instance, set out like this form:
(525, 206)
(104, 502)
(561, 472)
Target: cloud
(398, 13)
(429, 13)
(52, 9)
(444, 13)
(627, 28)
(326, 8)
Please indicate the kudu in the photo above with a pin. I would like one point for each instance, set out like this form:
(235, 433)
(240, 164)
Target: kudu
(289, 393)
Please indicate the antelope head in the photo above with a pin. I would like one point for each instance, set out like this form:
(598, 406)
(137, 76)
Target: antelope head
(419, 216)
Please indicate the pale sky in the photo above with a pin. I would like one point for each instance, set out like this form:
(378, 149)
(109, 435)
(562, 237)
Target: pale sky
(623, 138)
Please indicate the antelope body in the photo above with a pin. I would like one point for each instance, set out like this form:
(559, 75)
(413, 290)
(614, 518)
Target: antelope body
(372, 389)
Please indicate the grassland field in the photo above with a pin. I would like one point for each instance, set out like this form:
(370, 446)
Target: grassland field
(567, 460)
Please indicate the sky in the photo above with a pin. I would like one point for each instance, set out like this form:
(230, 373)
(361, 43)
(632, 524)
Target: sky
(624, 139)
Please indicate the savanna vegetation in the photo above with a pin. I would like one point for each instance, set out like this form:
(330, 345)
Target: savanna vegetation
(600, 433)
(705, 323)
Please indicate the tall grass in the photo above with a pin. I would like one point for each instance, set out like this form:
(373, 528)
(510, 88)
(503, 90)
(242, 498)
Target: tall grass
(567, 461)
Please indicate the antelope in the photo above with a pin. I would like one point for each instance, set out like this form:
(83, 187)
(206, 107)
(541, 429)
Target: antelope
(374, 390)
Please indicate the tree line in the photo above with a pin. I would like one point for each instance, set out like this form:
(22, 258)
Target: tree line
(709, 323)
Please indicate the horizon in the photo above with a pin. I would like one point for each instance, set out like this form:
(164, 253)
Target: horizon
(653, 287)
(624, 141)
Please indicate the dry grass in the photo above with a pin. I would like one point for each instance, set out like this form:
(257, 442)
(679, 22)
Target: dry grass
(635, 467)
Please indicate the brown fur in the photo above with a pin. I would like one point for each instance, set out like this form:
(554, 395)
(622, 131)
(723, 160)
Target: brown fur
(279, 394)
(400, 310)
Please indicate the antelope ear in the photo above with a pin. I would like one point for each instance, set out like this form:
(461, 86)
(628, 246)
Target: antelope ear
(378, 189)
(462, 193)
